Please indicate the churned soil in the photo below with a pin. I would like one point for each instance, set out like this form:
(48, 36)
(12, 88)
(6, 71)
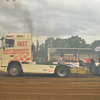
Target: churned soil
(48, 87)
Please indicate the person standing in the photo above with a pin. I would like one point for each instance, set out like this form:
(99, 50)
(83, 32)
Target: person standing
(61, 60)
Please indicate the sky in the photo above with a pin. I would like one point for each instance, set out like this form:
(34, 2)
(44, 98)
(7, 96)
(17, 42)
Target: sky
(51, 18)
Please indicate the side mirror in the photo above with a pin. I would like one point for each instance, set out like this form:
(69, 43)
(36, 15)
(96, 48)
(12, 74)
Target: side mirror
(2, 38)
(3, 47)
(32, 47)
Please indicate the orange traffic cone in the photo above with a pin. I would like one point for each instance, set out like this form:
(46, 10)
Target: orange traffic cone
(86, 72)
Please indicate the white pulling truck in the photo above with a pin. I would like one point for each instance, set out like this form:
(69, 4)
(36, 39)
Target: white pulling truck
(16, 56)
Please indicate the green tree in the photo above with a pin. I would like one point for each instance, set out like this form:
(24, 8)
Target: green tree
(49, 42)
(42, 51)
(59, 43)
(76, 42)
(95, 43)
(88, 45)
(37, 47)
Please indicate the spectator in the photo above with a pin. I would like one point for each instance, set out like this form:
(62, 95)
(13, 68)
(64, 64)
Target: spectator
(61, 60)
(39, 60)
(43, 61)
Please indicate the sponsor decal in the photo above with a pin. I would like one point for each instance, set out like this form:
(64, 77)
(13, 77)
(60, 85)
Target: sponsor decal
(9, 35)
(51, 66)
(20, 35)
(50, 70)
(14, 36)
(15, 51)
(22, 43)
(8, 50)
(45, 70)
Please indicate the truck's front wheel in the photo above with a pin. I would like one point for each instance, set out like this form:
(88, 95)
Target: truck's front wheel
(61, 72)
(14, 70)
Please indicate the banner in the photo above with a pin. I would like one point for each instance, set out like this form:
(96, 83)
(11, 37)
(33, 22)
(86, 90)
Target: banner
(97, 48)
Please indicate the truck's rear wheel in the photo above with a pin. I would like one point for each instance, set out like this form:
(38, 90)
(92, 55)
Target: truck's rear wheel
(14, 70)
(61, 72)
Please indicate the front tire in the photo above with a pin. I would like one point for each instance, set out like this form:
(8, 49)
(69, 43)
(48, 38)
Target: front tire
(61, 72)
(14, 70)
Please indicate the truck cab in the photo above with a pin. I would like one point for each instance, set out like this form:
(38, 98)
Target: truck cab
(15, 48)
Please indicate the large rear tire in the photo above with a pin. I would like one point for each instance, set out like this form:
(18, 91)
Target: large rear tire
(61, 72)
(14, 70)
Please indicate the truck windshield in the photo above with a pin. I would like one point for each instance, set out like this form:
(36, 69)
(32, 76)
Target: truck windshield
(9, 43)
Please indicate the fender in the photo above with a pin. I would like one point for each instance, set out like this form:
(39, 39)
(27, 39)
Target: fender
(68, 67)
(14, 62)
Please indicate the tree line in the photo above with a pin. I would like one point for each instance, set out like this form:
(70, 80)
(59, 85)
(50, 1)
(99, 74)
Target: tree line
(40, 50)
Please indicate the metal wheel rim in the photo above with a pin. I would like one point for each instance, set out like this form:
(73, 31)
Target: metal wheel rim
(13, 70)
(61, 71)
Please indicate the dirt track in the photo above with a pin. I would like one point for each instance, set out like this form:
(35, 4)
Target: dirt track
(48, 87)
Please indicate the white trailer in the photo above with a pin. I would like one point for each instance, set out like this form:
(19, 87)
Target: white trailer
(16, 56)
